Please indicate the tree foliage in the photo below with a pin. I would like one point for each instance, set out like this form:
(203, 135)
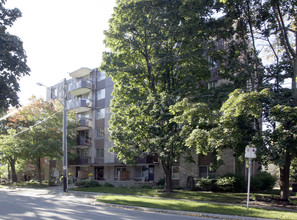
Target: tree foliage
(157, 57)
(12, 57)
(38, 132)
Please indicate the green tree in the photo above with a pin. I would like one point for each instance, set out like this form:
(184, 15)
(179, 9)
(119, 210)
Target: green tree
(40, 134)
(270, 26)
(9, 151)
(156, 58)
(12, 57)
(281, 142)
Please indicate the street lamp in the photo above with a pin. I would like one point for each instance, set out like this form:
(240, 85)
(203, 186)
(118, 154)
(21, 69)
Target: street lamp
(64, 140)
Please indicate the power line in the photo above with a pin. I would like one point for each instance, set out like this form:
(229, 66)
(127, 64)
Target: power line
(38, 123)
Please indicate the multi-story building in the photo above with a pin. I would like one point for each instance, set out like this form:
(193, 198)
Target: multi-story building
(89, 93)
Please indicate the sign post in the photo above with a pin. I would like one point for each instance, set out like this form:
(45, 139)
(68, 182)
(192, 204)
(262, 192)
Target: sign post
(249, 154)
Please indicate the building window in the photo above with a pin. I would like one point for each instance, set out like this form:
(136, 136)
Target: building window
(82, 152)
(205, 172)
(100, 152)
(212, 62)
(212, 85)
(141, 173)
(83, 115)
(100, 133)
(100, 75)
(118, 171)
(175, 172)
(100, 113)
(101, 94)
(54, 93)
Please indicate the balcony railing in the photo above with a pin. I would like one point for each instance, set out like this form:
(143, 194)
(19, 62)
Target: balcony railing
(79, 87)
(80, 161)
(84, 124)
(79, 105)
(147, 159)
(83, 141)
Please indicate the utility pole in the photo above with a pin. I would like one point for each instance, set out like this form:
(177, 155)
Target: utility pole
(65, 162)
(64, 139)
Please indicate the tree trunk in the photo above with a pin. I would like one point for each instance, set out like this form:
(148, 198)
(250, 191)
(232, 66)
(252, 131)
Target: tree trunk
(294, 89)
(284, 178)
(8, 172)
(13, 173)
(168, 177)
(39, 171)
(14, 177)
(50, 173)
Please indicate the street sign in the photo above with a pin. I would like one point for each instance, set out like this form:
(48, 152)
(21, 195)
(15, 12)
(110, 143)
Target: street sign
(250, 152)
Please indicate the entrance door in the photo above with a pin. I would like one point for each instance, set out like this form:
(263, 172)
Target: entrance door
(76, 171)
(151, 173)
(99, 173)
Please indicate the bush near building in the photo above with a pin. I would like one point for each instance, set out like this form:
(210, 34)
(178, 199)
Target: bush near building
(236, 183)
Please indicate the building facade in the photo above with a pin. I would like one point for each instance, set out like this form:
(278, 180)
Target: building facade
(89, 93)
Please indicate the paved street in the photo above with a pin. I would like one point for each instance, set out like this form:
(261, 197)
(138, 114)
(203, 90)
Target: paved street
(40, 204)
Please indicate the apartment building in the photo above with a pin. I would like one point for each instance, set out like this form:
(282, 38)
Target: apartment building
(89, 93)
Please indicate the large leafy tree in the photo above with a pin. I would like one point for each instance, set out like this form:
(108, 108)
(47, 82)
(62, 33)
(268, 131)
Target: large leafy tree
(157, 56)
(40, 131)
(270, 26)
(12, 59)
(9, 151)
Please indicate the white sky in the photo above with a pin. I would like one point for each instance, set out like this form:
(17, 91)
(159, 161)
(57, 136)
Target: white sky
(59, 37)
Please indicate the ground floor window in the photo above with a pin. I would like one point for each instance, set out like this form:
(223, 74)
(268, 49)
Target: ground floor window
(99, 173)
(119, 173)
(144, 173)
(175, 172)
(204, 172)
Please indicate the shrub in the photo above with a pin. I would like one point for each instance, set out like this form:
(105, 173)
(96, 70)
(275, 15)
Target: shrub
(161, 183)
(145, 187)
(262, 181)
(239, 183)
(226, 183)
(204, 184)
(87, 183)
(107, 184)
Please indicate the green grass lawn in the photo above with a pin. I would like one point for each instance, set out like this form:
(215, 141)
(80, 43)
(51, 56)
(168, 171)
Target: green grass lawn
(193, 206)
(177, 194)
(25, 184)
(194, 201)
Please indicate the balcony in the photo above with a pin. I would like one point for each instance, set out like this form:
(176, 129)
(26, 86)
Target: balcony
(80, 72)
(79, 105)
(147, 159)
(79, 87)
(80, 161)
(84, 124)
(83, 141)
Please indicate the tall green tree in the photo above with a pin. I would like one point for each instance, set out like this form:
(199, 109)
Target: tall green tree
(270, 26)
(10, 152)
(40, 131)
(157, 57)
(12, 58)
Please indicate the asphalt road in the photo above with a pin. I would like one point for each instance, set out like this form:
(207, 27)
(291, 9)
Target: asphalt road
(40, 204)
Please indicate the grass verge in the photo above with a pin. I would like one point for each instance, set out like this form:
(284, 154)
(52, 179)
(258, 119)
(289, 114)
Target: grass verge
(193, 206)
(25, 185)
(177, 194)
